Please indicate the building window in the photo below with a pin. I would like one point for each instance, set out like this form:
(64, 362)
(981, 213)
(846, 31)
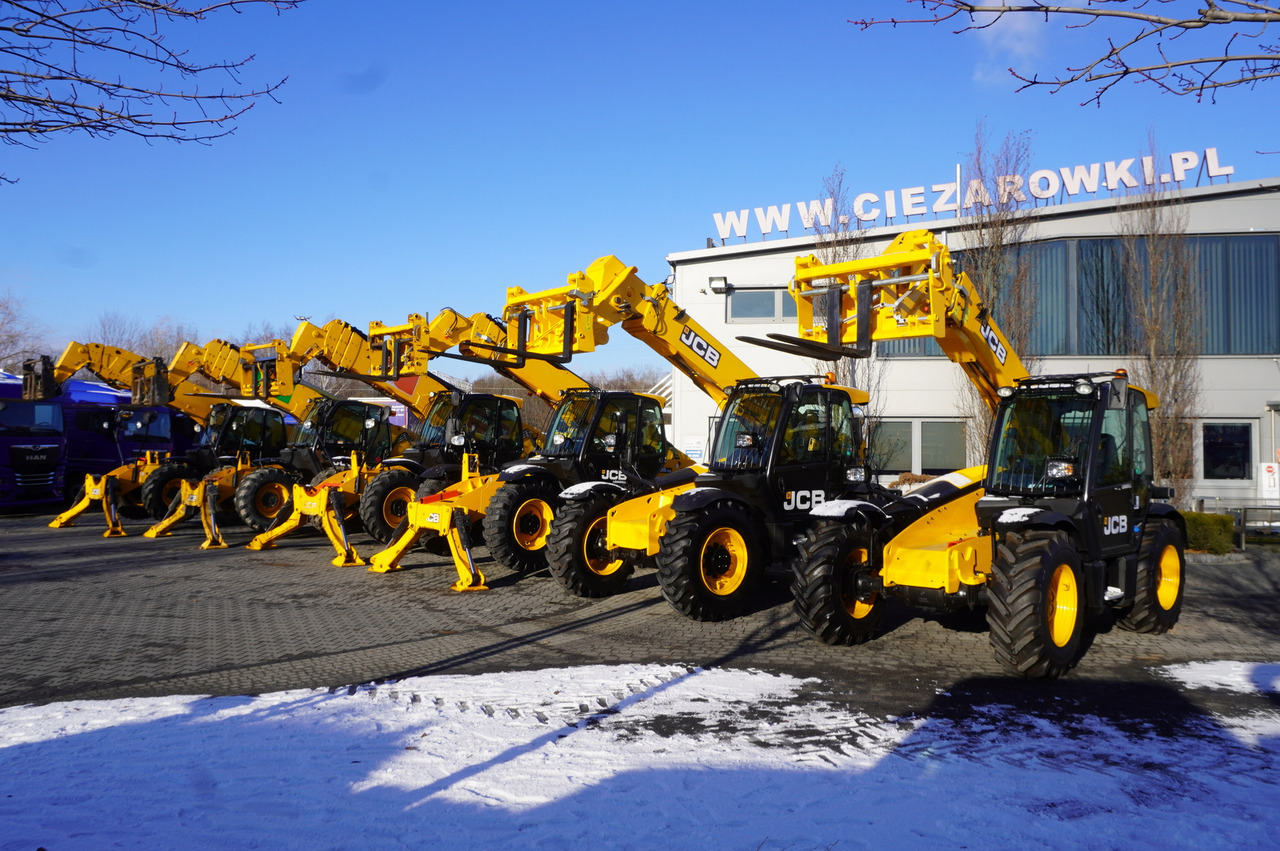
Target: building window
(774, 305)
(942, 447)
(1228, 451)
(889, 448)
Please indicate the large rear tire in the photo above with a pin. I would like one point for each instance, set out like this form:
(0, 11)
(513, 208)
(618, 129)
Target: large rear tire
(576, 551)
(385, 502)
(831, 558)
(262, 498)
(517, 523)
(1036, 606)
(710, 562)
(1157, 598)
(163, 486)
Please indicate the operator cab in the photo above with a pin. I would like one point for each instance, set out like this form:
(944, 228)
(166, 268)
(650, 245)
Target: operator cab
(1079, 445)
(608, 434)
(804, 439)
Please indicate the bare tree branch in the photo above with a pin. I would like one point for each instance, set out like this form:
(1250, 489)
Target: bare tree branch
(105, 67)
(1161, 52)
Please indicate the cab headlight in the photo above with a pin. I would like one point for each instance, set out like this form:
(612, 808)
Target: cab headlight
(1061, 469)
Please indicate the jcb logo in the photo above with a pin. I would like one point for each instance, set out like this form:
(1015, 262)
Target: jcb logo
(994, 342)
(700, 347)
(1117, 525)
(802, 500)
(613, 475)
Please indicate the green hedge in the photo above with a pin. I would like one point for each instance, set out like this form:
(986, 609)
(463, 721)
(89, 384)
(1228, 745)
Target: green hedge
(1209, 532)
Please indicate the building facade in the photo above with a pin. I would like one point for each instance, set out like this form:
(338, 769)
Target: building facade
(1234, 230)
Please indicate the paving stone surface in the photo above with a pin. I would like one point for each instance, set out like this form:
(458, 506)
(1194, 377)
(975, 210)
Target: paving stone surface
(86, 617)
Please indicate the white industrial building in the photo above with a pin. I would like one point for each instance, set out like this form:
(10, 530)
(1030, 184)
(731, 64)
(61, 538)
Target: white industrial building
(741, 289)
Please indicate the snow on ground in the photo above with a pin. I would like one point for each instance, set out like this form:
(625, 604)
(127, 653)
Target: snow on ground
(631, 757)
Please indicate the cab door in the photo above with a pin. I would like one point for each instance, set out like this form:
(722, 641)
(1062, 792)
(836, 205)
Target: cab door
(1114, 500)
(802, 456)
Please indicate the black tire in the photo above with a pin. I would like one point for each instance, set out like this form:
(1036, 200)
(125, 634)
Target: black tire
(163, 486)
(1036, 608)
(1157, 597)
(385, 502)
(710, 562)
(263, 498)
(831, 557)
(575, 551)
(518, 521)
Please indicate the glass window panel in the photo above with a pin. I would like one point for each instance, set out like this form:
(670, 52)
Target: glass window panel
(1212, 267)
(751, 304)
(1100, 282)
(1047, 273)
(908, 348)
(1255, 320)
(942, 447)
(1228, 451)
(889, 449)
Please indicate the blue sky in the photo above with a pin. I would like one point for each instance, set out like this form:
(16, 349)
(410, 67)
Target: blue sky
(427, 155)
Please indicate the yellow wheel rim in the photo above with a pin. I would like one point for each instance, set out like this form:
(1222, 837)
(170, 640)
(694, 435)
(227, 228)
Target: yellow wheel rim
(856, 608)
(270, 499)
(396, 505)
(724, 561)
(594, 553)
(1063, 607)
(1168, 577)
(170, 490)
(532, 524)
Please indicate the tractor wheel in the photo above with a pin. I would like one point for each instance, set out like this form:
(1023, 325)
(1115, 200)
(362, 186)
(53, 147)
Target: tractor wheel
(1036, 605)
(1157, 599)
(576, 550)
(517, 523)
(710, 562)
(832, 556)
(163, 486)
(385, 502)
(263, 496)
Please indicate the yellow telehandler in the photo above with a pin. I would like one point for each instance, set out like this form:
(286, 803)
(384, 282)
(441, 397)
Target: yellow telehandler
(1062, 522)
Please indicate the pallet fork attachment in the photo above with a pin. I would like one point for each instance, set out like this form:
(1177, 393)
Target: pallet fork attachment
(104, 489)
(319, 502)
(195, 497)
(446, 513)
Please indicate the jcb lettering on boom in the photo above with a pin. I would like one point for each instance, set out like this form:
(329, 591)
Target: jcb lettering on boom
(993, 340)
(700, 347)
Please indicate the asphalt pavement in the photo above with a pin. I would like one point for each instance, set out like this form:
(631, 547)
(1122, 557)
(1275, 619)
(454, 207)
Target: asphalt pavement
(85, 617)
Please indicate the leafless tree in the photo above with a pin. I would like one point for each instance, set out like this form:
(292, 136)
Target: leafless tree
(1164, 338)
(129, 331)
(20, 336)
(995, 257)
(1158, 42)
(107, 67)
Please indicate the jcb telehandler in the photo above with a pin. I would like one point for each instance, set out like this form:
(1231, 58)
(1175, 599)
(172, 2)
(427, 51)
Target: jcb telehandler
(150, 482)
(599, 442)
(1061, 523)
